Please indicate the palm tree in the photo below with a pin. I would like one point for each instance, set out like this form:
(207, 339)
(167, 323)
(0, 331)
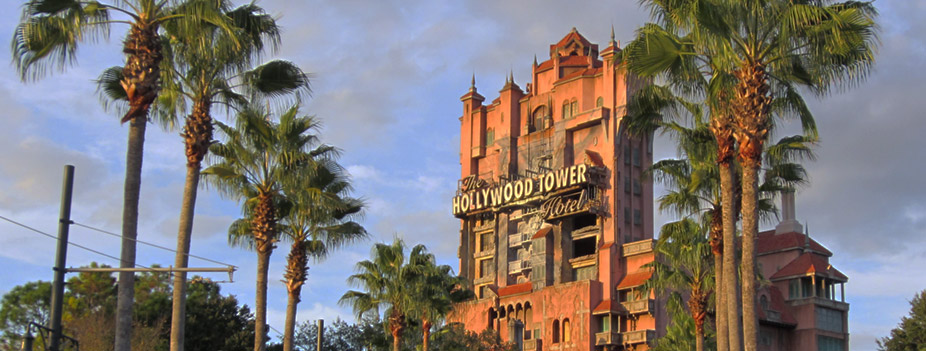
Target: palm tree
(48, 38)
(693, 182)
(205, 75)
(389, 281)
(258, 159)
(320, 221)
(439, 289)
(769, 47)
(684, 266)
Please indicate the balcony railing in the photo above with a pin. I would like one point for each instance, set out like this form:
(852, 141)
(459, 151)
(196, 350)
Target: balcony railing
(518, 266)
(638, 336)
(533, 345)
(638, 247)
(639, 306)
(607, 338)
(515, 239)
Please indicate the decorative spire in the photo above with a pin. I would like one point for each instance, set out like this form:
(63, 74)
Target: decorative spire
(612, 33)
(511, 75)
(535, 60)
(573, 30)
(472, 84)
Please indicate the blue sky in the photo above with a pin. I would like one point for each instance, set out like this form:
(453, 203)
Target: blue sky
(387, 77)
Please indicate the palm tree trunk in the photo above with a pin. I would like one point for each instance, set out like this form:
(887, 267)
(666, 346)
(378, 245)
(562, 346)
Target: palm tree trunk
(750, 231)
(264, 230)
(397, 328)
(426, 334)
(260, 303)
(296, 274)
(752, 106)
(126, 289)
(730, 290)
(197, 135)
(178, 310)
(141, 73)
(720, 317)
(290, 329)
(722, 128)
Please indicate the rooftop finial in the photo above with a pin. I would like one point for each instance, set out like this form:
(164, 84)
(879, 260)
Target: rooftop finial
(535, 59)
(472, 84)
(511, 75)
(573, 30)
(612, 33)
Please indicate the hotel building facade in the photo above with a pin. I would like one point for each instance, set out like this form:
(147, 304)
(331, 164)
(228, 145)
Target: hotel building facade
(556, 221)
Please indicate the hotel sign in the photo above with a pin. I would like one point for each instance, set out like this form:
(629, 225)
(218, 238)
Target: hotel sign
(520, 191)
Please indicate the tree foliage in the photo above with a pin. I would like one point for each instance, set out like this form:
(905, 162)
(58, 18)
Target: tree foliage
(216, 321)
(910, 334)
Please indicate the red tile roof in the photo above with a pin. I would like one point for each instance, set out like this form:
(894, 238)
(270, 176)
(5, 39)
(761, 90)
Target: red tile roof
(634, 279)
(608, 306)
(573, 35)
(809, 263)
(777, 304)
(542, 232)
(770, 242)
(515, 289)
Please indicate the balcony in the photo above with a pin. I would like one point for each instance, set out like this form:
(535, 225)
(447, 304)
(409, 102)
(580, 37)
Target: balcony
(516, 239)
(639, 336)
(484, 253)
(639, 306)
(607, 338)
(638, 247)
(518, 265)
(533, 345)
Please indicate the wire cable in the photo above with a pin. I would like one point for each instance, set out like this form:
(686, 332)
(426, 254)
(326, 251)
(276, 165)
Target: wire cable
(78, 245)
(149, 244)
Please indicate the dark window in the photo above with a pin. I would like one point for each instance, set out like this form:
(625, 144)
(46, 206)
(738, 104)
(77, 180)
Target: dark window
(637, 187)
(627, 215)
(584, 247)
(585, 220)
(627, 155)
(555, 331)
(637, 217)
(627, 185)
(636, 156)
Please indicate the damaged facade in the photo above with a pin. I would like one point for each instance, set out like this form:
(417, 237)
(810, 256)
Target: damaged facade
(556, 219)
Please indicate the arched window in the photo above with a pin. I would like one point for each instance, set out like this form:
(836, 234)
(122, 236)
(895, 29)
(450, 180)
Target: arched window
(599, 102)
(555, 331)
(536, 122)
(763, 301)
(575, 108)
(567, 330)
(566, 109)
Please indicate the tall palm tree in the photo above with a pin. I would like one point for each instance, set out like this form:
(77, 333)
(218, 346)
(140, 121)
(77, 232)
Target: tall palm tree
(205, 75)
(693, 182)
(48, 38)
(321, 220)
(769, 47)
(257, 160)
(684, 267)
(438, 290)
(389, 283)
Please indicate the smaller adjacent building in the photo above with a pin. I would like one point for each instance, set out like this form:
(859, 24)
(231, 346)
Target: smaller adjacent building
(803, 306)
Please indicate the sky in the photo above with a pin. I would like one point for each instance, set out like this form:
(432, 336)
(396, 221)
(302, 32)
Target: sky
(386, 78)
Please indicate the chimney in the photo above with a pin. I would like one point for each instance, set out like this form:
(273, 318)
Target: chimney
(788, 222)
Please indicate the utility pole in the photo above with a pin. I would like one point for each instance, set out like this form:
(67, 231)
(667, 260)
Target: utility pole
(321, 334)
(57, 292)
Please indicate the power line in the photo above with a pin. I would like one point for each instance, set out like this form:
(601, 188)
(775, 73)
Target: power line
(147, 243)
(75, 244)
